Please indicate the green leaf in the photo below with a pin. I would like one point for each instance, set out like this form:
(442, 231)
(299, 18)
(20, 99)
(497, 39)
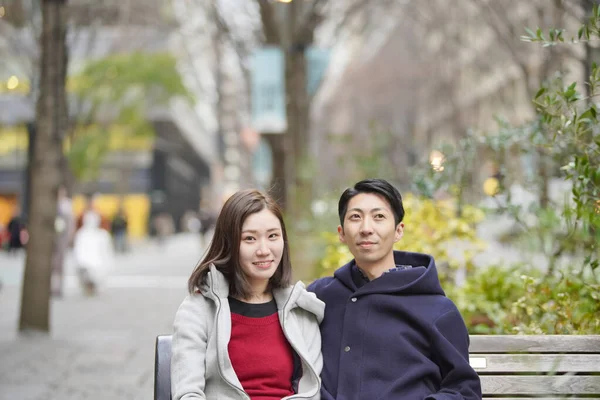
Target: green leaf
(540, 92)
(530, 33)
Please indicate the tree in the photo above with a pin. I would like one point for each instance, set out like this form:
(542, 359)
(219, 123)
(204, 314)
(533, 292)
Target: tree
(51, 121)
(115, 94)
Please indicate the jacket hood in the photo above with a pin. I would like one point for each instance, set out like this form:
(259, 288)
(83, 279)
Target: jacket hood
(419, 277)
(286, 298)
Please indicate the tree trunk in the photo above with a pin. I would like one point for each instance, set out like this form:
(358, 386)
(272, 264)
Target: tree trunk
(277, 189)
(51, 118)
(297, 166)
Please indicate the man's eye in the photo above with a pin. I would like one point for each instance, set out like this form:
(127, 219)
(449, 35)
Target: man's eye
(379, 216)
(354, 216)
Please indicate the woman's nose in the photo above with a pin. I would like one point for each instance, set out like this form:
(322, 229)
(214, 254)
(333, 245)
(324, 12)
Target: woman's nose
(262, 248)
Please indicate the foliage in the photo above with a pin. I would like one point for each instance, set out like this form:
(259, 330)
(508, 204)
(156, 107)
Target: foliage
(431, 227)
(572, 117)
(118, 91)
(520, 299)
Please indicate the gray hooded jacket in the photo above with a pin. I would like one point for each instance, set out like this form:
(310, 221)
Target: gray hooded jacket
(200, 364)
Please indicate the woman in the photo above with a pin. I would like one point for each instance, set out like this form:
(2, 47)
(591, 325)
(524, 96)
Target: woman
(93, 253)
(243, 332)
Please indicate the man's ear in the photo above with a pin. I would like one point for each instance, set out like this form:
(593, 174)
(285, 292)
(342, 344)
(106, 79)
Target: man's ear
(399, 232)
(341, 234)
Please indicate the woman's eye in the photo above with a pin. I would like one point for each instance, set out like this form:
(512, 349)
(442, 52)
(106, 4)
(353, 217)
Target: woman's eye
(274, 235)
(248, 238)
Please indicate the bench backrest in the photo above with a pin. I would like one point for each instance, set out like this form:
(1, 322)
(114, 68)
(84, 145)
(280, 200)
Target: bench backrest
(511, 367)
(162, 368)
(546, 366)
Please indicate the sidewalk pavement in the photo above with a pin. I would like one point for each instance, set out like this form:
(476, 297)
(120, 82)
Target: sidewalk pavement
(99, 347)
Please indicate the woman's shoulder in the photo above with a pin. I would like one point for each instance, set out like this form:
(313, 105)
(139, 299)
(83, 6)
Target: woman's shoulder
(195, 306)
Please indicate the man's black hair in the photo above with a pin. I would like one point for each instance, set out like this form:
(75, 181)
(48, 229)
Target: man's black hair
(375, 186)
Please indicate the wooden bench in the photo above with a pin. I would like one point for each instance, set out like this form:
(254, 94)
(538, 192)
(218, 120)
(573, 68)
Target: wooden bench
(510, 367)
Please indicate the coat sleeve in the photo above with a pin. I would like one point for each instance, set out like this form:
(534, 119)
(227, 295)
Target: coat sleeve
(451, 349)
(189, 343)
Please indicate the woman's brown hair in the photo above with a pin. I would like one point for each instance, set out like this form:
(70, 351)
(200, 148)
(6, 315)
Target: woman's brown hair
(224, 247)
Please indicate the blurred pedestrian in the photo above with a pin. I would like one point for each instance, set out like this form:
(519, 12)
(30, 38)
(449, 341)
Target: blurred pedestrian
(163, 226)
(64, 226)
(93, 207)
(207, 224)
(118, 230)
(93, 253)
(17, 231)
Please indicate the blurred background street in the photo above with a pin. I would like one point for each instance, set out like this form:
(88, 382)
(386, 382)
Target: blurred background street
(125, 125)
(100, 347)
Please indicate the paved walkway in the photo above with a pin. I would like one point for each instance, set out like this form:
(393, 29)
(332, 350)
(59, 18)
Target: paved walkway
(101, 347)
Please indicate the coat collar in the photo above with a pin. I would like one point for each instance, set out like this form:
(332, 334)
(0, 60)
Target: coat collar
(285, 298)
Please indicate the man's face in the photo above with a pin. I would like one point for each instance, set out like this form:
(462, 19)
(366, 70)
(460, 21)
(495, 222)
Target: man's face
(370, 231)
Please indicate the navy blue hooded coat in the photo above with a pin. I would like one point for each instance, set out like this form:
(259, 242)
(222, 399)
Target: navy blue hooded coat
(397, 337)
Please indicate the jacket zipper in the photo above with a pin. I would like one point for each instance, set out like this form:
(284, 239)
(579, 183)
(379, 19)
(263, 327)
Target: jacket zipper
(297, 396)
(246, 396)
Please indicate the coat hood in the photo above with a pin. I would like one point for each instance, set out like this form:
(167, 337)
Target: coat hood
(286, 299)
(419, 276)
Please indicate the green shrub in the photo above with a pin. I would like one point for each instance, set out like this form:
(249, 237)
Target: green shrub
(431, 227)
(522, 299)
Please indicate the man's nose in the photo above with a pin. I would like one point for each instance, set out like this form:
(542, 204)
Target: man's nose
(366, 226)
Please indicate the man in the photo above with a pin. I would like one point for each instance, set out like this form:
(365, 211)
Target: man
(389, 331)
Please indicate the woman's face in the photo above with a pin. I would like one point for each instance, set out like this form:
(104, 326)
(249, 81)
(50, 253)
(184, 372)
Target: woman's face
(261, 247)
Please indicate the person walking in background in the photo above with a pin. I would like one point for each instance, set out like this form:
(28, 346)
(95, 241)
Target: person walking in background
(17, 231)
(163, 226)
(389, 331)
(243, 331)
(92, 207)
(118, 230)
(93, 253)
(65, 229)
(207, 225)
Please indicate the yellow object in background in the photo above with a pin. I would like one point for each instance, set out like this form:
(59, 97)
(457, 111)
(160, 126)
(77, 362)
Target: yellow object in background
(8, 205)
(491, 186)
(135, 206)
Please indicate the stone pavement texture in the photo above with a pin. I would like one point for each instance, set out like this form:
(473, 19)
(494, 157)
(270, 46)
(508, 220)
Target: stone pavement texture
(99, 347)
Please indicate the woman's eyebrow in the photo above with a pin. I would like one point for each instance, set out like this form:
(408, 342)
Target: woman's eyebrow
(255, 231)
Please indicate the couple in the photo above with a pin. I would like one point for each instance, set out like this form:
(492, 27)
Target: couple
(386, 331)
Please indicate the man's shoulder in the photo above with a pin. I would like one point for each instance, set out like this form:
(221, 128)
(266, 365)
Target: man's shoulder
(320, 284)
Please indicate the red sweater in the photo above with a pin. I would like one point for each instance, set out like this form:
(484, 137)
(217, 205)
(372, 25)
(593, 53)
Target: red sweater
(261, 357)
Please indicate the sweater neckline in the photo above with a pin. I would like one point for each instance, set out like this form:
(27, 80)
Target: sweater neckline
(262, 321)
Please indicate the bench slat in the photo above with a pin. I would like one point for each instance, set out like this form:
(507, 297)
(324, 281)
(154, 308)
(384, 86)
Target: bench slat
(489, 363)
(535, 344)
(536, 398)
(532, 385)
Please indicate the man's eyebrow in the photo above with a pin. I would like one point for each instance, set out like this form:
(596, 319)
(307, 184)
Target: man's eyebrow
(376, 209)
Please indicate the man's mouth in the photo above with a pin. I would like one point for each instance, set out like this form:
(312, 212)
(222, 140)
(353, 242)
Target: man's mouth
(366, 244)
